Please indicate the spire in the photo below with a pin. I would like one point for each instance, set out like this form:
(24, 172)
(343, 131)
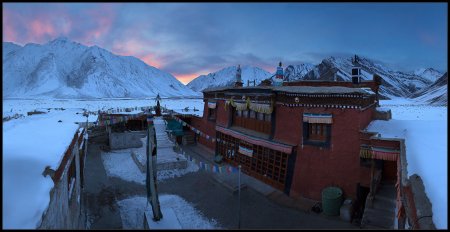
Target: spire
(279, 75)
(238, 82)
(238, 74)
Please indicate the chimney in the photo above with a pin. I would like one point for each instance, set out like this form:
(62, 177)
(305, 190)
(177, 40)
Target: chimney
(356, 71)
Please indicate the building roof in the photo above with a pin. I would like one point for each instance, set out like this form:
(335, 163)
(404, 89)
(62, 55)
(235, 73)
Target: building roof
(299, 89)
(30, 145)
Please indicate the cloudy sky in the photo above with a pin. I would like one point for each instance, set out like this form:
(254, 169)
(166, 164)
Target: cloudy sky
(191, 39)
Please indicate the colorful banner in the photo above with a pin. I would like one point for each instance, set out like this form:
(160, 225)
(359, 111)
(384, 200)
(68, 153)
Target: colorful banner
(245, 151)
(211, 167)
(318, 118)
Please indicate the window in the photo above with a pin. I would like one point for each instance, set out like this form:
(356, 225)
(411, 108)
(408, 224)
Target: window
(211, 114)
(316, 134)
(317, 131)
(252, 114)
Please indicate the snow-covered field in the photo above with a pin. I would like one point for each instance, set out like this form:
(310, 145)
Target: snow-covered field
(424, 129)
(132, 211)
(30, 143)
(22, 106)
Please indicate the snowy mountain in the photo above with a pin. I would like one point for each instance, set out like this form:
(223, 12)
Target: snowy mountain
(428, 73)
(296, 72)
(227, 77)
(65, 69)
(9, 49)
(436, 94)
(394, 83)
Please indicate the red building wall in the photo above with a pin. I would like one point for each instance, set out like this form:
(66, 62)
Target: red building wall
(316, 167)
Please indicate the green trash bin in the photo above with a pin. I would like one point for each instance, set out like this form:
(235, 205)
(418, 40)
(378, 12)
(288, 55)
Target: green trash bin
(331, 201)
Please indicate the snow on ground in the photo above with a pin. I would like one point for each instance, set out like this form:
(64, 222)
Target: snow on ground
(424, 129)
(119, 164)
(22, 106)
(132, 213)
(30, 144)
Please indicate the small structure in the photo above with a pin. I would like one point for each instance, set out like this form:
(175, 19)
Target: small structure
(117, 125)
(279, 76)
(158, 106)
(238, 82)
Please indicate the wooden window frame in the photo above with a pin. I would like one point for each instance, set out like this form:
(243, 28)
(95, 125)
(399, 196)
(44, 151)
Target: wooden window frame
(253, 120)
(317, 134)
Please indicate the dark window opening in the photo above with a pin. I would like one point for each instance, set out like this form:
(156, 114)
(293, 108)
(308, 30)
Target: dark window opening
(318, 134)
(211, 114)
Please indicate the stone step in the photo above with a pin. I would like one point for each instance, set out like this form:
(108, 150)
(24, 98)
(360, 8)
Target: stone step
(383, 204)
(378, 218)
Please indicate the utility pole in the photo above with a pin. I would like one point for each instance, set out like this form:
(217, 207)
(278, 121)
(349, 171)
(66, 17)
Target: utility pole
(152, 191)
(239, 197)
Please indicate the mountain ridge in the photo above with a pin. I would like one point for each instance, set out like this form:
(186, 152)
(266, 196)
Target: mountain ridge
(66, 69)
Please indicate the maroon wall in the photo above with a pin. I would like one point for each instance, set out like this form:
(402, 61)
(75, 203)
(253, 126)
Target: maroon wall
(318, 167)
(315, 167)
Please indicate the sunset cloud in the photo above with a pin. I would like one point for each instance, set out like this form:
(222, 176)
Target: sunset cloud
(191, 39)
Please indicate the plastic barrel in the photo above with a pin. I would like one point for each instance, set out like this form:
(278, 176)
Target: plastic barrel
(331, 201)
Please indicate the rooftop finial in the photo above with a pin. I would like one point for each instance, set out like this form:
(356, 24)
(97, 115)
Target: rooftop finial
(280, 64)
(238, 82)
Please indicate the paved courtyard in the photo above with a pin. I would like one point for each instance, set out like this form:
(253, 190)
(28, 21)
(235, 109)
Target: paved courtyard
(213, 195)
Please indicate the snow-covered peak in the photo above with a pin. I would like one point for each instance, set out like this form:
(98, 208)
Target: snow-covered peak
(9, 47)
(60, 39)
(394, 83)
(296, 72)
(428, 73)
(227, 77)
(62, 68)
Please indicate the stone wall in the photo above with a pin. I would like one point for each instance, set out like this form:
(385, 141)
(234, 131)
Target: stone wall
(125, 140)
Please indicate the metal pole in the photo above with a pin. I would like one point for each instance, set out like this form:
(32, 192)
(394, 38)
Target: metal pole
(239, 197)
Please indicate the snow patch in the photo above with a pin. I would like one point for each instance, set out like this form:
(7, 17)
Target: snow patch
(132, 213)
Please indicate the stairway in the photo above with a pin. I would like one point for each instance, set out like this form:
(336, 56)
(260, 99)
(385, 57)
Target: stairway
(382, 213)
(188, 138)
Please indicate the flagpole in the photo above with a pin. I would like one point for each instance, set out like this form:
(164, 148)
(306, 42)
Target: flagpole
(239, 197)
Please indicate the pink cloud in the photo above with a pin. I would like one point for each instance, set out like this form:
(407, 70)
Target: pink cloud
(150, 60)
(40, 28)
(103, 19)
(9, 34)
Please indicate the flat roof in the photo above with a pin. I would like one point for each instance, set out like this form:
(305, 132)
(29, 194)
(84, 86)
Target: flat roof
(30, 144)
(299, 89)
